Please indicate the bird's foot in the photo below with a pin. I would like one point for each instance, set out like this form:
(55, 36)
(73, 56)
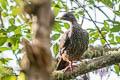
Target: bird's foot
(69, 67)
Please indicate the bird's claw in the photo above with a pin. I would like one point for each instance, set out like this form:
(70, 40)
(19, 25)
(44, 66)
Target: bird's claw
(68, 67)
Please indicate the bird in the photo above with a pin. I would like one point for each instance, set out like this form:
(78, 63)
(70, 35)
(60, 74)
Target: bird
(73, 43)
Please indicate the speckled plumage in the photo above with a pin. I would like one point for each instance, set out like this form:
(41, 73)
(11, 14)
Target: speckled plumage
(73, 44)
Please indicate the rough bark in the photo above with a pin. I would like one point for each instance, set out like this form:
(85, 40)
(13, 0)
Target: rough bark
(111, 58)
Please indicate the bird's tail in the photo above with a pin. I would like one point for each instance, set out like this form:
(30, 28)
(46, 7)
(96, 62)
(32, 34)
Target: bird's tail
(61, 64)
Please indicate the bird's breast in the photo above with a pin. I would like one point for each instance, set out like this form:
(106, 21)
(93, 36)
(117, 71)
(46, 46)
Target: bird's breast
(78, 43)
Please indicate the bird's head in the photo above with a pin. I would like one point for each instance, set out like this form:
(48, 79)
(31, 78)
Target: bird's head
(68, 16)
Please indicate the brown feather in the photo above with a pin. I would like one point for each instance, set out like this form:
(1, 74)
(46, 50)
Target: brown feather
(74, 42)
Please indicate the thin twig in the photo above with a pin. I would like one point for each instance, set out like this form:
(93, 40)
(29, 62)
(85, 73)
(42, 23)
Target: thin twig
(2, 25)
(114, 14)
(94, 20)
(102, 11)
(17, 59)
(112, 43)
(83, 15)
(95, 13)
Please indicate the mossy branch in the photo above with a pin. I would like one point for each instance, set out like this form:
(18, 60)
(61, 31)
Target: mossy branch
(111, 58)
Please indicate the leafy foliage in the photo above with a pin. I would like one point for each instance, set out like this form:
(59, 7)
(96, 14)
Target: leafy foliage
(56, 49)
(15, 25)
(117, 69)
(21, 76)
(55, 36)
(10, 78)
(4, 70)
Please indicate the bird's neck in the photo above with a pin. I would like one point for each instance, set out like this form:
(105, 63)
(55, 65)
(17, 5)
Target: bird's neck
(74, 23)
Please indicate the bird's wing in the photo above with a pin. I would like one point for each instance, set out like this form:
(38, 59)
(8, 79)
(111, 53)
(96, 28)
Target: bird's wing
(86, 35)
(64, 42)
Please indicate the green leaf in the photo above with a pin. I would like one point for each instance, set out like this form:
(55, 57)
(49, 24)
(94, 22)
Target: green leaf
(116, 28)
(65, 7)
(28, 36)
(4, 48)
(92, 34)
(58, 5)
(12, 21)
(56, 11)
(2, 40)
(117, 12)
(4, 4)
(91, 1)
(111, 41)
(96, 35)
(116, 69)
(55, 36)
(11, 28)
(81, 12)
(91, 30)
(57, 8)
(4, 70)
(66, 25)
(91, 40)
(118, 39)
(18, 30)
(27, 31)
(10, 77)
(5, 60)
(56, 49)
(15, 40)
(106, 26)
(57, 27)
(18, 20)
(106, 2)
(4, 14)
(77, 16)
(3, 33)
(15, 11)
(14, 47)
(1, 9)
(111, 35)
(19, 51)
(102, 41)
(114, 22)
(19, 2)
(21, 76)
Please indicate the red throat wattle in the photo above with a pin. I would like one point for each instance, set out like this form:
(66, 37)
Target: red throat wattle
(70, 22)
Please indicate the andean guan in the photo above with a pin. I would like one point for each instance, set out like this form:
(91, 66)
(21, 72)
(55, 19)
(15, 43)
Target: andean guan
(73, 43)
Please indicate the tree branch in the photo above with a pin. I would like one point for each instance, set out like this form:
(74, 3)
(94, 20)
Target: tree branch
(112, 58)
